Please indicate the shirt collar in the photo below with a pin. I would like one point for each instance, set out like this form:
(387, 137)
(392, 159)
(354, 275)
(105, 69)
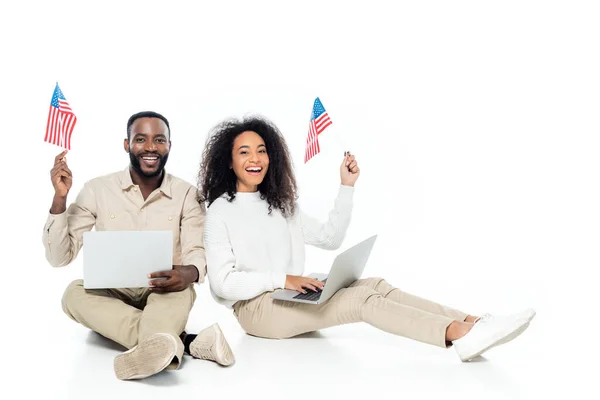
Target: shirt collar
(127, 183)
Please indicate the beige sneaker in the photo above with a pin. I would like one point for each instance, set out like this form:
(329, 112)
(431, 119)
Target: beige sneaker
(149, 357)
(210, 344)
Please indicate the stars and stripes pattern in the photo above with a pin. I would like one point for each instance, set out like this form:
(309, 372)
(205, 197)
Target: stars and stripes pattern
(61, 121)
(319, 120)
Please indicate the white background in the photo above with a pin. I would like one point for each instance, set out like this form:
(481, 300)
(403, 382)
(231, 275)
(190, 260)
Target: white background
(475, 124)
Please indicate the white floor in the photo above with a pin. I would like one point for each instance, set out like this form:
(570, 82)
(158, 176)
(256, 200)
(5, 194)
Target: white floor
(53, 357)
(476, 128)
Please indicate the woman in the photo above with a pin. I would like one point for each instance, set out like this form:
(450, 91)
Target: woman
(255, 235)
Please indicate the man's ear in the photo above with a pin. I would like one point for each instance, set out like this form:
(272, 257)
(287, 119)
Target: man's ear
(126, 145)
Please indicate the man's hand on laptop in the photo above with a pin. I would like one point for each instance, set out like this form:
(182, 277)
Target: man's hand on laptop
(299, 283)
(175, 280)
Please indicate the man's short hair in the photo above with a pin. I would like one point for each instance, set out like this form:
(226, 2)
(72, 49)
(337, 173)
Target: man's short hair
(146, 114)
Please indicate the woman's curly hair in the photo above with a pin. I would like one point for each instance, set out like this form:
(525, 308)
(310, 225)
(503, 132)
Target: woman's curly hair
(216, 177)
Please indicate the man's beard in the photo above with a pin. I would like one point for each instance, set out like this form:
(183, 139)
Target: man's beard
(135, 163)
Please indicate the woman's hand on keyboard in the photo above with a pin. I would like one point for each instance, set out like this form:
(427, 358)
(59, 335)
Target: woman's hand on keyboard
(300, 283)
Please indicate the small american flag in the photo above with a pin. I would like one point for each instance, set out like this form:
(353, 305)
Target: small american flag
(61, 121)
(319, 120)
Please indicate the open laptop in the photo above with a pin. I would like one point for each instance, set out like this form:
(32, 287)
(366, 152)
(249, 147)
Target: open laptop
(347, 268)
(123, 259)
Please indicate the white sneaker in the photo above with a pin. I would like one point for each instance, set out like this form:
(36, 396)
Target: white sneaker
(525, 316)
(490, 331)
(149, 357)
(210, 344)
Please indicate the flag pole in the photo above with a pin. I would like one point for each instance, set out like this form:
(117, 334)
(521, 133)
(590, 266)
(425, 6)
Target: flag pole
(341, 143)
(346, 150)
(338, 137)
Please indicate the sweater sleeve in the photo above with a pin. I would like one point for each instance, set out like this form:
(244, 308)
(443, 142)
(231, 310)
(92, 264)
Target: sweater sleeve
(330, 235)
(227, 281)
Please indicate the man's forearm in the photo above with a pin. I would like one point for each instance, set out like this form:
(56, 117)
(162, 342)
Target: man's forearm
(59, 205)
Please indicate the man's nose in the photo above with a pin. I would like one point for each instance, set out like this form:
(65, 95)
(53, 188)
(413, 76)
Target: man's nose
(150, 146)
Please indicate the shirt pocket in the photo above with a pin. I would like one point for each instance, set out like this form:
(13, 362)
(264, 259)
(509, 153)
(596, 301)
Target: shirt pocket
(165, 221)
(115, 220)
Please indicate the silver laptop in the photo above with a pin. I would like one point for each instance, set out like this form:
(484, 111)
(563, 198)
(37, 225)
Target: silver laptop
(347, 268)
(123, 259)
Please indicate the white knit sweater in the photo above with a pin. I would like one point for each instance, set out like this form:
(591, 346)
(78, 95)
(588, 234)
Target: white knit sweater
(249, 252)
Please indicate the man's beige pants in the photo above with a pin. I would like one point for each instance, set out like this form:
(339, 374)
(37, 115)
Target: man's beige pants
(371, 300)
(128, 316)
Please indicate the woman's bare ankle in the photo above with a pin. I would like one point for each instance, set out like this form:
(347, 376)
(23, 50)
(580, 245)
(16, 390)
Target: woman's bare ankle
(457, 329)
(471, 319)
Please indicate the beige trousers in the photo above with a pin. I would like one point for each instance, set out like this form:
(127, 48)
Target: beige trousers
(127, 316)
(371, 300)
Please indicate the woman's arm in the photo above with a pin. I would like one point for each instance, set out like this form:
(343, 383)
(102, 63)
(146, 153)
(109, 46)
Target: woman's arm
(225, 280)
(330, 235)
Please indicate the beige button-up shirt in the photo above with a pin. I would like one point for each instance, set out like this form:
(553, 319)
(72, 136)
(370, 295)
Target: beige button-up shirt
(113, 202)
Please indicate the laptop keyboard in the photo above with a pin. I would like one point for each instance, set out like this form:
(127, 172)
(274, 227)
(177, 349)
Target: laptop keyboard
(310, 295)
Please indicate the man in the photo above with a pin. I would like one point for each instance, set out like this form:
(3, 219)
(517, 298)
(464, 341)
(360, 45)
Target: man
(149, 321)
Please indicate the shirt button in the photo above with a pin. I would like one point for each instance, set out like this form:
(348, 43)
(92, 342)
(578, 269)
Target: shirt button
(170, 218)
(135, 188)
(142, 209)
(112, 216)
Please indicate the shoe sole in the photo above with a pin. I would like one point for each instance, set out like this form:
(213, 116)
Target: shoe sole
(149, 357)
(224, 356)
(508, 338)
(498, 342)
